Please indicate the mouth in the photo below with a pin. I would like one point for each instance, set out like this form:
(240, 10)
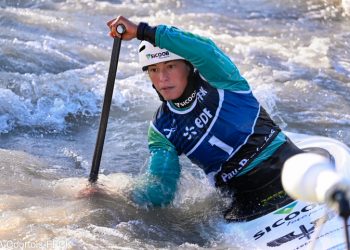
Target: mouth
(167, 88)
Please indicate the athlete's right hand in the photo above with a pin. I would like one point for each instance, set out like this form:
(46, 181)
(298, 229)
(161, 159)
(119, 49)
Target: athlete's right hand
(131, 28)
(89, 191)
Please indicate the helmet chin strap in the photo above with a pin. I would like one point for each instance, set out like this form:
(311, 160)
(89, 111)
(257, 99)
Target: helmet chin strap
(159, 95)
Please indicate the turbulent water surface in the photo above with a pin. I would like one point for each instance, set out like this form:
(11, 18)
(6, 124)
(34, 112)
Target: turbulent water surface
(54, 58)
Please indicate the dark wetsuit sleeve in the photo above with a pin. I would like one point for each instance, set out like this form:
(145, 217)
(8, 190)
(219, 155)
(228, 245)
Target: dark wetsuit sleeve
(146, 32)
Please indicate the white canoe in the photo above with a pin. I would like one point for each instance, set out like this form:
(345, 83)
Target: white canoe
(296, 225)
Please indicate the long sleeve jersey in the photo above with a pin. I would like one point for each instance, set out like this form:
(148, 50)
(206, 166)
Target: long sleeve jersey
(225, 131)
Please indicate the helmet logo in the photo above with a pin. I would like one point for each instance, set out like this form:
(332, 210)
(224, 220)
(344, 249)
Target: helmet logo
(159, 55)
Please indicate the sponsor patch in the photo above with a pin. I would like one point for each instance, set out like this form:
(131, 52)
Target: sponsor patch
(160, 55)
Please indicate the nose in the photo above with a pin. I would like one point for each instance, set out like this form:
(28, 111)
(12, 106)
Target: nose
(163, 75)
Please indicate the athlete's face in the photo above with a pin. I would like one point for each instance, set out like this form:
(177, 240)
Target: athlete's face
(169, 78)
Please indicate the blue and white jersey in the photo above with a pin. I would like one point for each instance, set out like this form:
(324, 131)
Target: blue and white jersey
(215, 128)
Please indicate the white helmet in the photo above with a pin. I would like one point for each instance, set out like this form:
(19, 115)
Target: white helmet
(149, 54)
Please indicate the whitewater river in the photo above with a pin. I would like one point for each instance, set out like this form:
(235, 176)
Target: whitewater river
(54, 58)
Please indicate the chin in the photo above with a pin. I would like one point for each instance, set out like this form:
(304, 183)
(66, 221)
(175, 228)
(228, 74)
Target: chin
(169, 97)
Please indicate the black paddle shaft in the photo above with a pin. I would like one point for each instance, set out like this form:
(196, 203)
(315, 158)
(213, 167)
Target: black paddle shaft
(106, 106)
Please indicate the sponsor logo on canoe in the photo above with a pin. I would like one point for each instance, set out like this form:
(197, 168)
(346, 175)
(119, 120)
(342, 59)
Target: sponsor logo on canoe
(286, 210)
(304, 231)
(288, 219)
